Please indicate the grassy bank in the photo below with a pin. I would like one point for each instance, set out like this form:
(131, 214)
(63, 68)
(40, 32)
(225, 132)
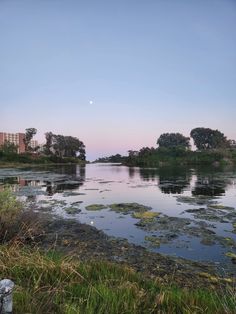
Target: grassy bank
(14, 160)
(49, 282)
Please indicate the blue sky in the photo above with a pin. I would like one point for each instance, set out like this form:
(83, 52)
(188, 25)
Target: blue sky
(148, 67)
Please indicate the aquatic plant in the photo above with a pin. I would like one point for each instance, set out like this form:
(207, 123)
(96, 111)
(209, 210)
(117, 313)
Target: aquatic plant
(94, 207)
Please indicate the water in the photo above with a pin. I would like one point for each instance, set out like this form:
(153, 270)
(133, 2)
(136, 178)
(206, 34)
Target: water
(164, 190)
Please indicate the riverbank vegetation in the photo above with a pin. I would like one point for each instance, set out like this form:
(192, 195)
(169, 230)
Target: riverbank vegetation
(57, 149)
(212, 148)
(47, 281)
(27, 159)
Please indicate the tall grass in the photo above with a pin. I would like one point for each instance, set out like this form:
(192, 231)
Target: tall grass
(52, 283)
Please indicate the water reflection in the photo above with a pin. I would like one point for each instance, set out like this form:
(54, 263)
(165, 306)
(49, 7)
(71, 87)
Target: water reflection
(170, 180)
(108, 184)
(174, 180)
(68, 178)
(149, 174)
(77, 176)
(211, 182)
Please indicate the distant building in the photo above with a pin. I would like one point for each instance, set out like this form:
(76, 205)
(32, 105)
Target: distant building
(15, 138)
(18, 140)
(33, 144)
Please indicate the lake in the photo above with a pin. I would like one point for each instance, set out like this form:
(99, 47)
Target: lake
(194, 208)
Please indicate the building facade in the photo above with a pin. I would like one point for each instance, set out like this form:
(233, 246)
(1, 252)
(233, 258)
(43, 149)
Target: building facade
(15, 138)
(33, 144)
(18, 140)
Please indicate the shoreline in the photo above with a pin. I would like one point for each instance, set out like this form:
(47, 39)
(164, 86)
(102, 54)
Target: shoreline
(86, 243)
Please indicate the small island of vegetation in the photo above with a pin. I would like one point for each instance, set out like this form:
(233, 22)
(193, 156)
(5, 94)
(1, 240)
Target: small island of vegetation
(212, 148)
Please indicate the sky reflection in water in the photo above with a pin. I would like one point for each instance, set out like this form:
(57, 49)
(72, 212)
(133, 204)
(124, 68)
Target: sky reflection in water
(157, 188)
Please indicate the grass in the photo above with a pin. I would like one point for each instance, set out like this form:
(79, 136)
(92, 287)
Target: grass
(49, 282)
(53, 283)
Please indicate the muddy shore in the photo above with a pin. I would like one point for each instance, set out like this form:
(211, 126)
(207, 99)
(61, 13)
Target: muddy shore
(85, 242)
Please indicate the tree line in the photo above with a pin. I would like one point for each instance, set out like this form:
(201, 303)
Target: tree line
(56, 145)
(203, 138)
(211, 145)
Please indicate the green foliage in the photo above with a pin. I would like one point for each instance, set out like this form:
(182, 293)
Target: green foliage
(29, 133)
(173, 140)
(112, 158)
(9, 148)
(52, 283)
(9, 206)
(48, 145)
(10, 209)
(64, 146)
(205, 138)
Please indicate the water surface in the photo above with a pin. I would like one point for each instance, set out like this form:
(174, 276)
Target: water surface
(165, 190)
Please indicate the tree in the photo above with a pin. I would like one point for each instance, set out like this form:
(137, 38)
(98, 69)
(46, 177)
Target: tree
(206, 138)
(48, 145)
(29, 133)
(64, 146)
(82, 154)
(146, 151)
(133, 153)
(232, 143)
(173, 140)
(9, 148)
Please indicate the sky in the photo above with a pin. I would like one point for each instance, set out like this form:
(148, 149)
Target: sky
(117, 74)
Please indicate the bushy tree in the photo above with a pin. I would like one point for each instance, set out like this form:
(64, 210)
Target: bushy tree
(48, 145)
(206, 138)
(146, 151)
(232, 143)
(64, 146)
(173, 140)
(9, 148)
(29, 133)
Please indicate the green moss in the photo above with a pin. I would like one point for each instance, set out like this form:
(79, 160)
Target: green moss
(229, 241)
(94, 207)
(211, 278)
(154, 241)
(72, 210)
(234, 227)
(145, 215)
(128, 208)
(216, 206)
(231, 255)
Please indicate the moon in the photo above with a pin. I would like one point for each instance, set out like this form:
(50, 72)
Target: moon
(90, 102)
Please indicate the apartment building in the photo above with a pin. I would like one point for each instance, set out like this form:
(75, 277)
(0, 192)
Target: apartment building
(18, 140)
(34, 144)
(15, 138)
